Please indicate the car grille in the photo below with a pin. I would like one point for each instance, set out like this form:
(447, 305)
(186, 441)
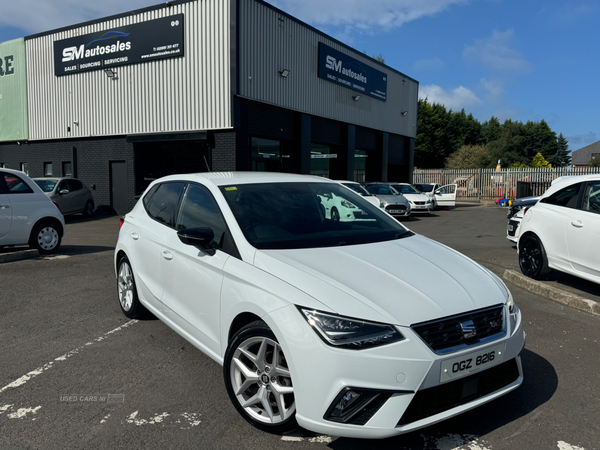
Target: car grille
(446, 335)
(419, 203)
(435, 400)
(396, 207)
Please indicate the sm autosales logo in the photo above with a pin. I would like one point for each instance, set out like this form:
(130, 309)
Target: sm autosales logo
(104, 45)
(336, 65)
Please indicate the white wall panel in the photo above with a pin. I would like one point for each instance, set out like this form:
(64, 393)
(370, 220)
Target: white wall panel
(170, 95)
(270, 42)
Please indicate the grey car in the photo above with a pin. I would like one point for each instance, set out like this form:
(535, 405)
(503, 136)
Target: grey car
(69, 194)
(392, 201)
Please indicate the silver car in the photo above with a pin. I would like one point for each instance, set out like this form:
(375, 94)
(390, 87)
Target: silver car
(69, 194)
(392, 201)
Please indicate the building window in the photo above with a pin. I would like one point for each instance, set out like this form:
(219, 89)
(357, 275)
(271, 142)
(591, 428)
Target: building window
(25, 168)
(47, 169)
(360, 165)
(266, 155)
(67, 168)
(320, 160)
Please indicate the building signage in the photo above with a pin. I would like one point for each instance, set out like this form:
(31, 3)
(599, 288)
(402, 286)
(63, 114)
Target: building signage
(13, 91)
(130, 44)
(340, 68)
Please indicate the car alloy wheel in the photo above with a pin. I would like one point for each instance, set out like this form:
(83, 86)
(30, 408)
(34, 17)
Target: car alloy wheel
(258, 379)
(335, 215)
(532, 258)
(128, 298)
(89, 209)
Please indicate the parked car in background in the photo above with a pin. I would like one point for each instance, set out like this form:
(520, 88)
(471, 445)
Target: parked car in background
(392, 201)
(561, 231)
(338, 208)
(419, 203)
(246, 267)
(27, 216)
(360, 190)
(521, 203)
(69, 194)
(440, 196)
(512, 228)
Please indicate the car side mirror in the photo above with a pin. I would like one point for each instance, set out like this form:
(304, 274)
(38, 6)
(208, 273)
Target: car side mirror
(199, 238)
(63, 192)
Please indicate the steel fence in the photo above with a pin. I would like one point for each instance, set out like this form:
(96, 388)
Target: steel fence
(489, 184)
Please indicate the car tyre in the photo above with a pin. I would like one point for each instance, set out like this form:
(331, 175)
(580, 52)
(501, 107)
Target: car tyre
(89, 209)
(258, 379)
(532, 258)
(128, 297)
(46, 238)
(335, 214)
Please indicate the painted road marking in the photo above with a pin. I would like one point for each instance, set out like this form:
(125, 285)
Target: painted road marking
(34, 373)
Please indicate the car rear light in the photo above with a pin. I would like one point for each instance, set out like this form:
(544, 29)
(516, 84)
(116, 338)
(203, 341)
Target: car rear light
(56, 204)
(121, 221)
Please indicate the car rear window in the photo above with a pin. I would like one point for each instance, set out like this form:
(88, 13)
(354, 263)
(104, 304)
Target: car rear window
(16, 185)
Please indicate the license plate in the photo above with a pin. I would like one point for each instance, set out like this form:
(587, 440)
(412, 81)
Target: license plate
(396, 211)
(464, 365)
(510, 228)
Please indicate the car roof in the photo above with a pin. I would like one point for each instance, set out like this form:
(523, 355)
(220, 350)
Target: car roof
(562, 182)
(228, 178)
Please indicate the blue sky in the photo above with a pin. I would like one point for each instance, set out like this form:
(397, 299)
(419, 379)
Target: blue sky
(520, 60)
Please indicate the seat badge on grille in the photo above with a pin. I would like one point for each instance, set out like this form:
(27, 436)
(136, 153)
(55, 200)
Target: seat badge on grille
(468, 329)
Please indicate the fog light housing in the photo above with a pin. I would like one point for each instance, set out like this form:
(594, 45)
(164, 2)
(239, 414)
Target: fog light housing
(356, 406)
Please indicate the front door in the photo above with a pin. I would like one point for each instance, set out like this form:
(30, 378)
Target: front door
(446, 195)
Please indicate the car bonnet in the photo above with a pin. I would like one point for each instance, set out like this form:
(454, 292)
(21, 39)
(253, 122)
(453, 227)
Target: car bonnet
(404, 281)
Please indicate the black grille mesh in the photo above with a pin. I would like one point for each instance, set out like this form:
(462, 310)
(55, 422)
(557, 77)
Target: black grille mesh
(447, 333)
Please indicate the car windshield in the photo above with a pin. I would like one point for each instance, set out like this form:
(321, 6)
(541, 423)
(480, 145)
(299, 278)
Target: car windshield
(46, 185)
(382, 189)
(405, 189)
(307, 215)
(424, 187)
(359, 189)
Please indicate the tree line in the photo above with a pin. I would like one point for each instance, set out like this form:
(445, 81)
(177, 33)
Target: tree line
(455, 140)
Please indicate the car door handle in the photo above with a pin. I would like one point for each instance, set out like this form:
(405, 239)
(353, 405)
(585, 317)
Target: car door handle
(577, 224)
(167, 255)
(135, 236)
(4, 206)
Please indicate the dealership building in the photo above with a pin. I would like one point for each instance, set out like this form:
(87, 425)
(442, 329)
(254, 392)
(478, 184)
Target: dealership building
(196, 86)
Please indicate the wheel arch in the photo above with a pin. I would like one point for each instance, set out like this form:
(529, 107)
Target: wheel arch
(48, 221)
(240, 321)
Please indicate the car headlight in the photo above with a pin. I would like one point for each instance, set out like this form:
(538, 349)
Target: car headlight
(345, 332)
(347, 204)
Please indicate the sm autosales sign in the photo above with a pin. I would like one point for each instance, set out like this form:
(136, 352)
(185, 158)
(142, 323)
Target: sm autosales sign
(340, 68)
(131, 44)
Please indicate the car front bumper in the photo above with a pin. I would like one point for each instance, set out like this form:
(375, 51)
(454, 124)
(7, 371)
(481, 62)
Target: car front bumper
(404, 378)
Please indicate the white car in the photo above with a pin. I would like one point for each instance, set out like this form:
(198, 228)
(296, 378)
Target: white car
(390, 200)
(561, 230)
(419, 203)
(512, 228)
(27, 216)
(247, 268)
(440, 196)
(360, 190)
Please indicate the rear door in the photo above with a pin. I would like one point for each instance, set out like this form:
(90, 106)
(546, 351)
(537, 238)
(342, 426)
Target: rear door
(5, 209)
(446, 195)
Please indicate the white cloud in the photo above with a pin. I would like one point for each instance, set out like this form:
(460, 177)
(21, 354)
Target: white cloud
(36, 16)
(456, 99)
(361, 14)
(496, 52)
(428, 64)
(494, 88)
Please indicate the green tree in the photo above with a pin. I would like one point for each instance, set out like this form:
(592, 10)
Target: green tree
(562, 157)
(379, 57)
(540, 161)
(595, 162)
(469, 157)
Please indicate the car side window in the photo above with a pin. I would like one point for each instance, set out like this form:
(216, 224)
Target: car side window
(163, 204)
(566, 197)
(199, 209)
(591, 197)
(75, 185)
(15, 185)
(62, 185)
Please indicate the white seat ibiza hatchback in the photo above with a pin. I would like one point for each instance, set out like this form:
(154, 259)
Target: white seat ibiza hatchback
(27, 215)
(331, 325)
